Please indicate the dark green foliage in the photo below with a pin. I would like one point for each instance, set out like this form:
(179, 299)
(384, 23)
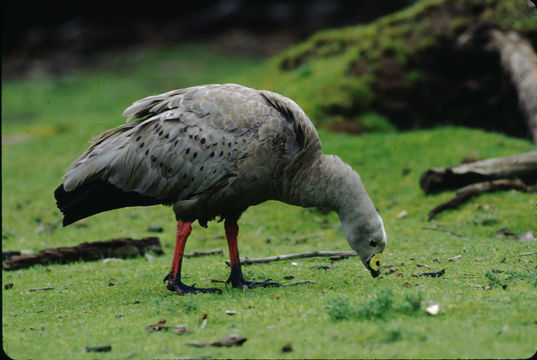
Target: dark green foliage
(339, 309)
(382, 307)
(189, 305)
(378, 308)
(530, 277)
(494, 280)
(393, 334)
(412, 303)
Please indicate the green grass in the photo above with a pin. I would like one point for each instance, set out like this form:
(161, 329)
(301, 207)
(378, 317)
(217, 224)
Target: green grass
(46, 124)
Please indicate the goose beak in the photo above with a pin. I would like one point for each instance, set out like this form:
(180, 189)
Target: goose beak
(374, 273)
(374, 264)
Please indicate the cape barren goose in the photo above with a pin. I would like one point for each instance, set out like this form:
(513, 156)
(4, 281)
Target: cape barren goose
(212, 151)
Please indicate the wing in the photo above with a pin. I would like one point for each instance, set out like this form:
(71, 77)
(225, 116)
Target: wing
(186, 142)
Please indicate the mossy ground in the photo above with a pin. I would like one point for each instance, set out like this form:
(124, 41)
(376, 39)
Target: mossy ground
(405, 66)
(46, 124)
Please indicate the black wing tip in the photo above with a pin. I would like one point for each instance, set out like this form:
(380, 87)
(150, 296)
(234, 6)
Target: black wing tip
(61, 197)
(96, 197)
(282, 108)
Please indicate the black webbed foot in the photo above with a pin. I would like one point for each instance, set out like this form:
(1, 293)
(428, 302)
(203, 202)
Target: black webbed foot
(175, 284)
(236, 280)
(253, 284)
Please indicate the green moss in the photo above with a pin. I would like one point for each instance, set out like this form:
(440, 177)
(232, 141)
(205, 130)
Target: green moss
(335, 71)
(374, 122)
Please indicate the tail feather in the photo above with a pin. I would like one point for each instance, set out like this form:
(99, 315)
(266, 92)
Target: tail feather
(96, 197)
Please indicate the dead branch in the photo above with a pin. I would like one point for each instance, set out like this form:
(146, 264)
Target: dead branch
(442, 230)
(300, 282)
(431, 273)
(104, 348)
(115, 248)
(520, 62)
(469, 191)
(42, 288)
(522, 166)
(204, 252)
(248, 261)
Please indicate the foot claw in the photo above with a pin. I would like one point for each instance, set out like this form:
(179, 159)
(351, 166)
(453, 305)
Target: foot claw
(253, 284)
(175, 284)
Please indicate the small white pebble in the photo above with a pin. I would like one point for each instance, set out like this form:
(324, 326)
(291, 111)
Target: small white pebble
(433, 309)
(294, 263)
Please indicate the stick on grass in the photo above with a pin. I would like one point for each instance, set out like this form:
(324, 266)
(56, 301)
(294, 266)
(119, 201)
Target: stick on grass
(466, 193)
(248, 261)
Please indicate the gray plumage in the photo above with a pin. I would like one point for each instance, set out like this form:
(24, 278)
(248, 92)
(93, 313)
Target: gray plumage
(214, 150)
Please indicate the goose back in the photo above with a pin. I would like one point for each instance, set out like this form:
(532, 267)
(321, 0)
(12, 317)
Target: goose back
(209, 150)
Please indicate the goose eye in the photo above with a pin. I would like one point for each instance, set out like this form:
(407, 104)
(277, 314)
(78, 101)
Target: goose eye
(376, 261)
(373, 243)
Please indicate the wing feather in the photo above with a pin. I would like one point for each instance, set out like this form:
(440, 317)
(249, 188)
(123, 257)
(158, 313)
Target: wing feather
(184, 144)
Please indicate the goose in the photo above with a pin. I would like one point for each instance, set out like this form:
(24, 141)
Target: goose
(210, 152)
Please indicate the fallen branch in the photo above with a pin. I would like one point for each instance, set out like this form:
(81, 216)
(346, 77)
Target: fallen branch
(115, 248)
(248, 261)
(227, 341)
(442, 230)
(302, 238)
(42, 288)
(522, 167)
(204, 252)
(104, 348)
(300, 282)
(431, 273)
(469, 191)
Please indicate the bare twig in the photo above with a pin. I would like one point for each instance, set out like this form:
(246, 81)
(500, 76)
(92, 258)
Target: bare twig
(455, 257)
(248, 261)
(423, 265)
(431, 273)
(204, 252)
(442, 230)
(104, 348)
(301, 282)
(303, 238)
(42, 288)
(528, 253)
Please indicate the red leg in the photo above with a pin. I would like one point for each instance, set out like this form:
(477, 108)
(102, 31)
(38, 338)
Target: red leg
(232, 231)
(236, 278)
(183, 230)
(174, 277)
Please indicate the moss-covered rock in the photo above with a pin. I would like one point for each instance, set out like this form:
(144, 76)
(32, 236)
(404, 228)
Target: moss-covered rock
(409, 67)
